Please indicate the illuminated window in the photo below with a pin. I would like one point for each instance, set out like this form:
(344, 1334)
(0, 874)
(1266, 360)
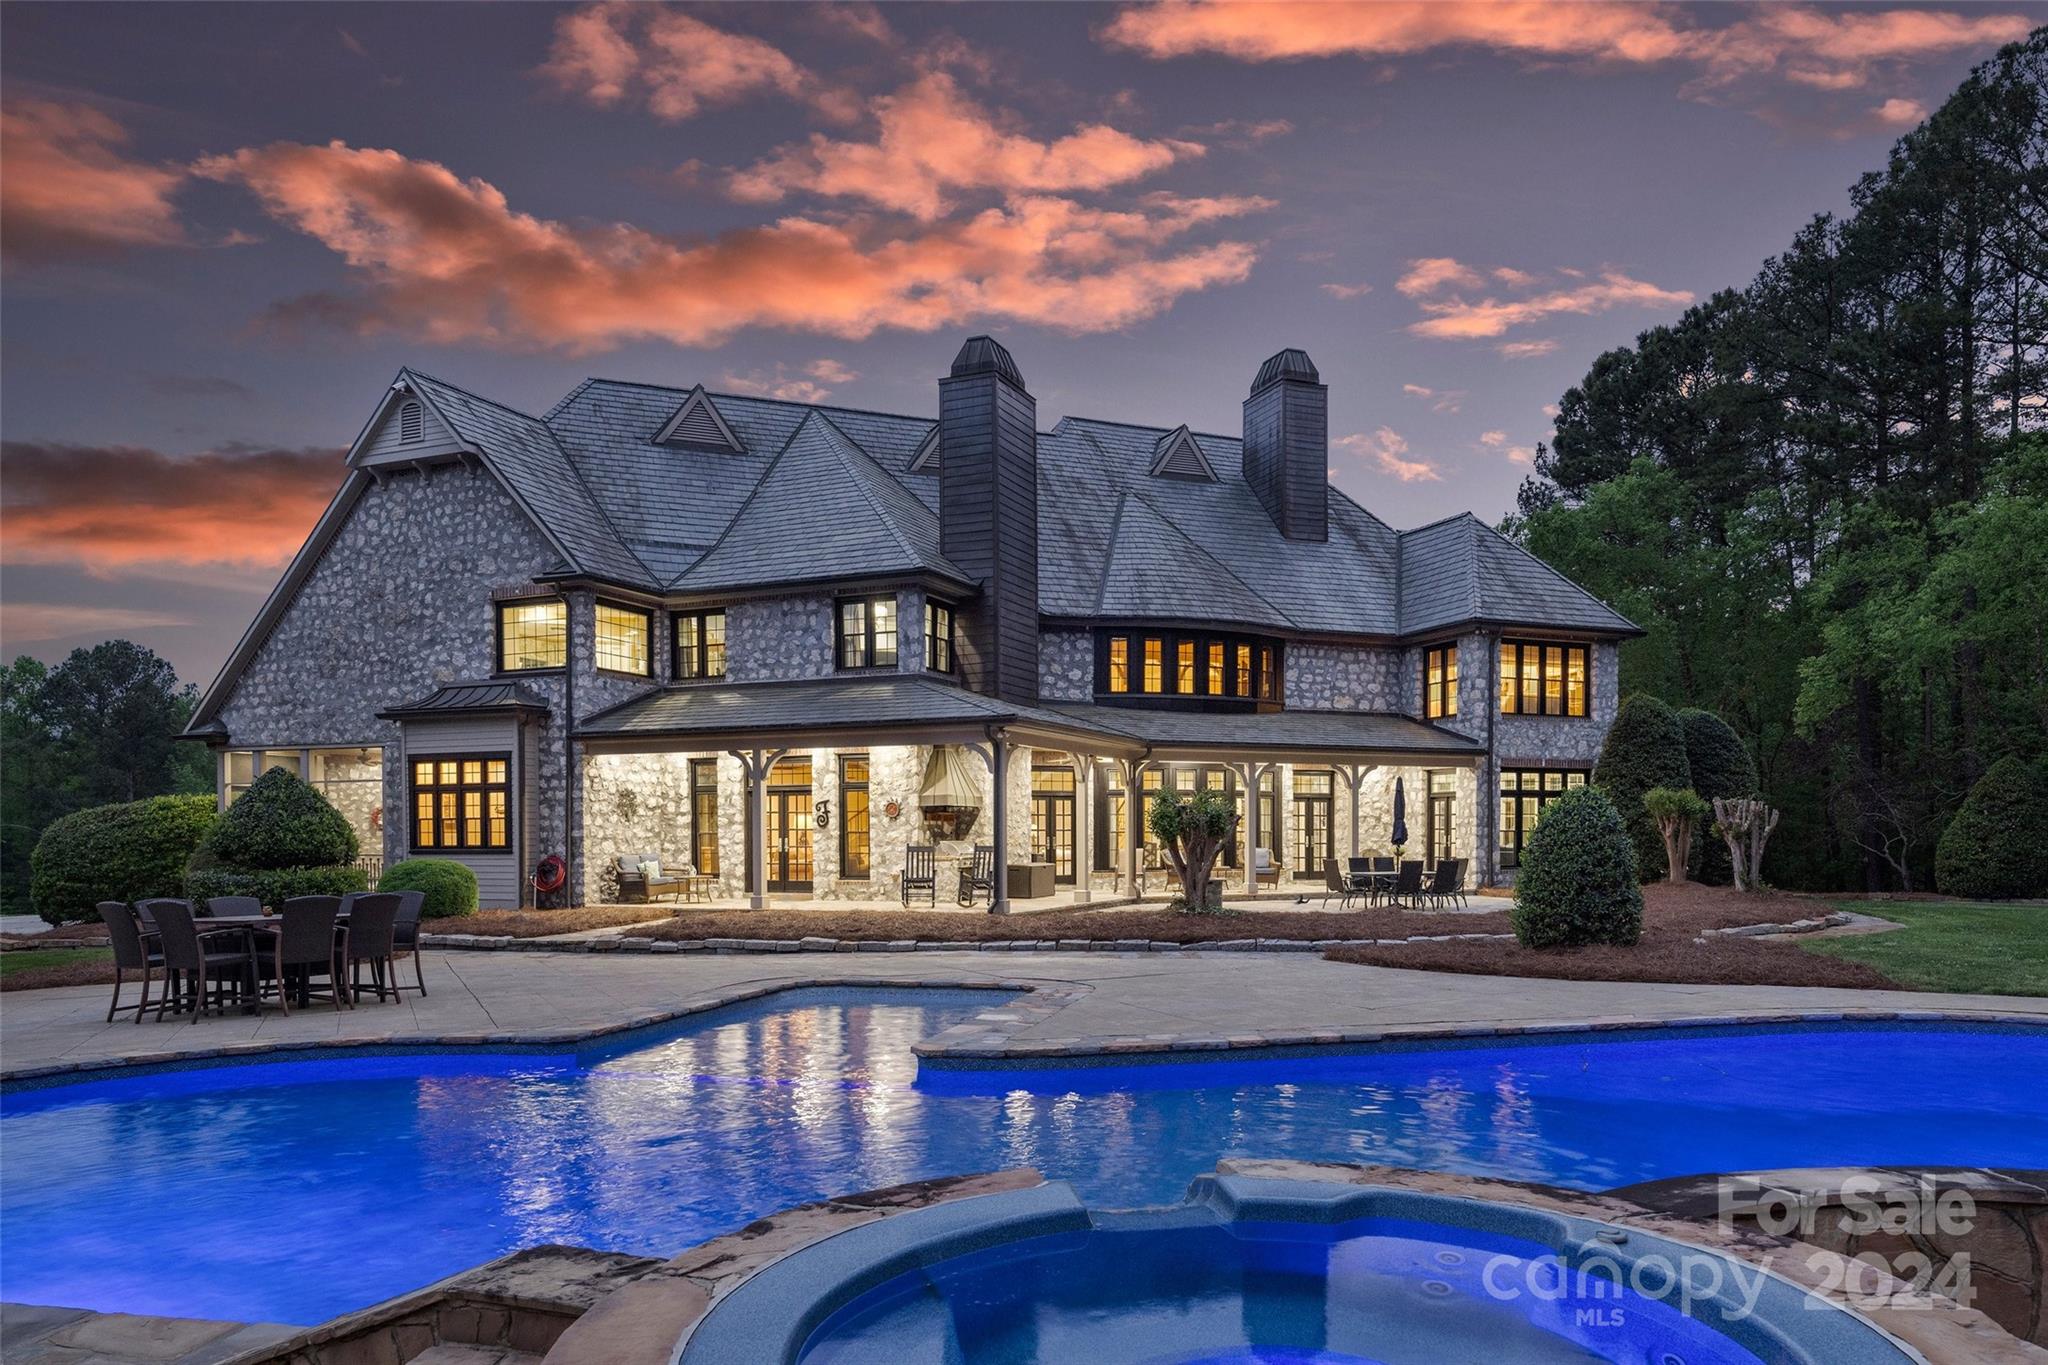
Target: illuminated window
(1543, 679)
(1244, 670)
(1216, 655)
(1119, 664)
(938, 637)
(461, 801)
(867, 633)
(1440, 682)
(1155, 655)
(704, 814)
(623, 639)
(1184, 667)
(533, 635)
(1268, 683)
(700, 644)
(853, 816)
(1524, 792)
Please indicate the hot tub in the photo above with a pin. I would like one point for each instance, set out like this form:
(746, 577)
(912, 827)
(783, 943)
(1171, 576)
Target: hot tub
(1269, 1271)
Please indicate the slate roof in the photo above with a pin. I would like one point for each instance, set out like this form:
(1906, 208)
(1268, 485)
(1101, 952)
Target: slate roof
(469, 697)
(822, 492)
(887, 700)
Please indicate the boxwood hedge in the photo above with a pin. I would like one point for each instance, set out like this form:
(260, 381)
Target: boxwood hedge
(450, 887)
(1578, 882)
(123, 852)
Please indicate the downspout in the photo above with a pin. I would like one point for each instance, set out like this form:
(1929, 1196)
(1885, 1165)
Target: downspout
(568, 746)
(1489, 796)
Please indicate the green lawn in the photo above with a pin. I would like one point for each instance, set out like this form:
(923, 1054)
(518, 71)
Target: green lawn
(28, 959)
(1961, 946)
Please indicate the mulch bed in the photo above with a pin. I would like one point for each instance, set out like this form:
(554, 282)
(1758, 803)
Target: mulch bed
(63, 935)
(540, 923)
(1671, 949)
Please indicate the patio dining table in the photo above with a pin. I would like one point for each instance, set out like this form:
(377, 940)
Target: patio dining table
(254, 925)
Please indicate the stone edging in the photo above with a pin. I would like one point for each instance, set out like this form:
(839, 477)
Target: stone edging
(478, 943)
(992, 1043)
(1798, 926)
(1056, 997)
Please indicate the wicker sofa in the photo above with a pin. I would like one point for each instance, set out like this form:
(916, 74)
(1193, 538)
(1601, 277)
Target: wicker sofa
(644, 876)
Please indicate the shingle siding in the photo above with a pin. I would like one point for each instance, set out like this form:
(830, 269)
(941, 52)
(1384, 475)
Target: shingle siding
(988, 515)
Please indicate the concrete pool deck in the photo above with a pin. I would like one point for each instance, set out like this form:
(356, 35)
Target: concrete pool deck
(1083, 1003)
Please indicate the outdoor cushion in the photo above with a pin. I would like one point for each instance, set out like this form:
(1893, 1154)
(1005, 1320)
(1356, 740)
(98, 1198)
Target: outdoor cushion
(652, 867)
(629, 863)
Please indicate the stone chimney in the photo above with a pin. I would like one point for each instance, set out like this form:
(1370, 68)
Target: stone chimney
(1287, 445)
(988, 515)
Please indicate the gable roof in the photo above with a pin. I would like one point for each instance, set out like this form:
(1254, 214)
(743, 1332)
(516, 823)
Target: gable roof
(824, 509)
(1461, 570)
(698, 423)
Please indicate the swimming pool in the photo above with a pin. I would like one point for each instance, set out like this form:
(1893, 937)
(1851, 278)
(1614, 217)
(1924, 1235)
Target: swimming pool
(291, 1191)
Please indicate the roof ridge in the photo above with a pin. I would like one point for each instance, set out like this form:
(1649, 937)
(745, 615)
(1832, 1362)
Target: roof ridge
(1145, 426)
(1472, 567)
(1542, 563)
(467, 393)
(1228, 572)
(860, 480)
(565, 400)
(1116, 526)
(1453, 516)
(755, 398)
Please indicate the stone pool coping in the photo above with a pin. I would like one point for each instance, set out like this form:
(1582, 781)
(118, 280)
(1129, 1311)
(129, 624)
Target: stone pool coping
(776, 1311)
(505, 943)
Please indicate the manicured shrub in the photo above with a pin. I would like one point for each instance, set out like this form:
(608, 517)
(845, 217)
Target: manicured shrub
(274, 885)
(1721, 766)
(1578, 883)
(281, 821)
(1680, 815)
(126, 852)
(1992, 849)
(450, 887)
(1644, 749)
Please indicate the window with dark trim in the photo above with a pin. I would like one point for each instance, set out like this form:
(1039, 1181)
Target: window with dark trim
(1155, 667)
(938, 637)
(1192, 670)
(1539, 678)
(700, 643)
(1524, 792)
(704, 815)
(853, 816)
(1112, 815)
(461, 801)
(533, 634)
(1440, 682)
(867, 632)
(624, 639)
(1119, 663)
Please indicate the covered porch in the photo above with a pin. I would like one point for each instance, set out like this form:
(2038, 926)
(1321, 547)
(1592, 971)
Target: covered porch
(840, 773)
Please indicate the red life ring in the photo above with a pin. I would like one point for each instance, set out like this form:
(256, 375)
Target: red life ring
(551, 875)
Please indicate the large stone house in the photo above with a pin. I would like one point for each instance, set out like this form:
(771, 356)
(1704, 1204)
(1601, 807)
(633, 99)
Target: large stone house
(658, 620)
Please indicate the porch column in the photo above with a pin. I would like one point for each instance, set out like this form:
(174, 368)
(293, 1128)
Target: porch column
(1249, 774)
(1354, 776)
(999, 778)
(1084, 828)
(755, 763)
(1134, 814)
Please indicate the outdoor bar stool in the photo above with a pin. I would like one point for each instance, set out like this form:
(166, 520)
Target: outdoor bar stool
(132, 952)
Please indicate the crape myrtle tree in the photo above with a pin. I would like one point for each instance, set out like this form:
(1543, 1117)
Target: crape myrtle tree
(1821, 494)
(1193, 828)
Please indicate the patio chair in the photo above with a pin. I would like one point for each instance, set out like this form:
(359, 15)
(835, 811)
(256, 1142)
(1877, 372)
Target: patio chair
(405, 935)
(979, 875)
(132, 952)
(1455, 893)
(187, 947)
(1336, 883)
(304, 945)
(1443, 880)
(1407, 889)
(372, 921)
(1264, 870)
(643, 876)
(217, 906)
(920, 873)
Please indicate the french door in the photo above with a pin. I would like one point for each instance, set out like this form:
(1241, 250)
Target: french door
(789, 825)
(1052, 821)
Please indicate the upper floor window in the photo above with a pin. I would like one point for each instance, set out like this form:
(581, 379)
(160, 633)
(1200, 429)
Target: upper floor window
(700, 644)
(1542, 679)
(624, 636)
(867, 632)
(533, 634)
(938, 637)
(1440, 682)
(1194, 668)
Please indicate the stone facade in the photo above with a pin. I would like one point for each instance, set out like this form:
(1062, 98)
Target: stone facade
(1066, 665)
(779, 638)
(1323, 677)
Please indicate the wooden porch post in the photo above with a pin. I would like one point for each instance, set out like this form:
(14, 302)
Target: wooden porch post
(1084, 827)
(999, 778)
(755, 763)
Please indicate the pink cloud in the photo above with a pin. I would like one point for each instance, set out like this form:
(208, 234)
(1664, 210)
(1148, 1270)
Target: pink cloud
(448, 259)
(1527, 350)
(1521, 454)
(1428, 274)
(1493, 438)
(1458, 318)
(1347, 291)
(614, 52)
(813, 383)
(1387, 451)
(1900, 113)
(69, 189)
(1826, 47)
(932, 139)
(1439, 400)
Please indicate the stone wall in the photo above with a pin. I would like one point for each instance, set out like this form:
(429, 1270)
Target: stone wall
(1066, 665)
(774, 638)
(1322, 677)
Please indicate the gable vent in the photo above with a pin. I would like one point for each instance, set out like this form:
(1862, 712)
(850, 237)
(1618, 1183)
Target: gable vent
(1176, 455)
(927, 456)
(409, 421)
(698, 423)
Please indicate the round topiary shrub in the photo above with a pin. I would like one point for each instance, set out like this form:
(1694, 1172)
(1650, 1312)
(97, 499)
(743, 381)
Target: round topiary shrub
(1578, 882)
(1992, 849)
(281, 821)
(1721, 767)
(450, 887)
(126, 852)
(274, 885)
(1644, 749)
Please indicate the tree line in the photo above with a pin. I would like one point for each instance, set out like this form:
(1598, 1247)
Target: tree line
(98, 728)
(1825, 494)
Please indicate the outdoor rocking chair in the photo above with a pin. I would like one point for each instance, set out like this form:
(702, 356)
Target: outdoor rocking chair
(132, 952)
(979, 876)
(920, 873)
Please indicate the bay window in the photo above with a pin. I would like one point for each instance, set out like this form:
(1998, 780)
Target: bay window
(1538, 678)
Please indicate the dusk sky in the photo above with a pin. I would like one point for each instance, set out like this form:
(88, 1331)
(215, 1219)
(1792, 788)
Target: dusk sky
(226, 227)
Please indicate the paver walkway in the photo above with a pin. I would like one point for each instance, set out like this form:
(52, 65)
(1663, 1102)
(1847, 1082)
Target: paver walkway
(1155, 996)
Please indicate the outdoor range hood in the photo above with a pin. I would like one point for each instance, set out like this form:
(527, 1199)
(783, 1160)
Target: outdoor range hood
(950, 796)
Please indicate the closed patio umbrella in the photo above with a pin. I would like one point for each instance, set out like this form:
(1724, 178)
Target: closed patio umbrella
(1400, 814)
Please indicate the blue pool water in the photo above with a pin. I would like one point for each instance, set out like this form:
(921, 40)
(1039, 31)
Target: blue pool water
(295, 1190)
(1373, 1292)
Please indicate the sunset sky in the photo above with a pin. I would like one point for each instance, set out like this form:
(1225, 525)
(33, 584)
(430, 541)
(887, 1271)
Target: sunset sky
(225, 227)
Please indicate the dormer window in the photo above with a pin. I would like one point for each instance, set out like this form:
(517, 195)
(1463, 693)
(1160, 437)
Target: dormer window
(410, 422)
(1177, 455)
(866, 627)
(699, 425)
